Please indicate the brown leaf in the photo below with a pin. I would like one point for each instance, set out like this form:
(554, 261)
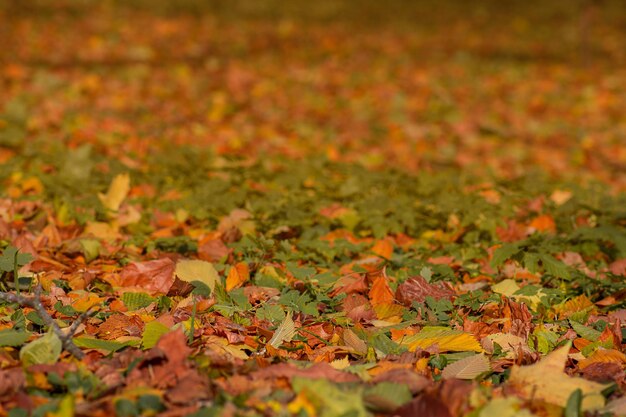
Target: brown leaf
(411, 379)
(417, 289)
(213, 250)
(190, 388)
(119, 325)
(155, 277)
(11, 380)
(174, 345)
(603, 372)
(358, 308)
(320, 370)
(426, 405)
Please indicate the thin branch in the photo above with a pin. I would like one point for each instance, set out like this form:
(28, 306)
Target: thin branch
(35, 303)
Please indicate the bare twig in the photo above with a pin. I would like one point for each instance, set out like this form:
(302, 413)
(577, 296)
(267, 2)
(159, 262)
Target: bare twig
(35, 303)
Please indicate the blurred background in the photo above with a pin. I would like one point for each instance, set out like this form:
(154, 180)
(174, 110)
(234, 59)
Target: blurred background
(484, 86)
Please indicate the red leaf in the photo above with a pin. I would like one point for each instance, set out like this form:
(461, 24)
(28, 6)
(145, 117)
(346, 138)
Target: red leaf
(618, 267)
(426, 405)
(320, 370)
(156, 277)
(417, 289)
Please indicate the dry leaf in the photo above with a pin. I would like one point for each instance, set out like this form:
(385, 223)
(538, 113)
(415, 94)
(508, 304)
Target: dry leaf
(467, 368)
(237, 275)
(284, 333)
(381, 292)
(547, 381)
(155, 277)
(118, 190)
(190, 270)
(605, 356)
(417, 289)
(444, 338)
(351, 340)
(383, 248)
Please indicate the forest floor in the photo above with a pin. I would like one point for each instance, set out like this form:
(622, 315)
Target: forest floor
(258, 208)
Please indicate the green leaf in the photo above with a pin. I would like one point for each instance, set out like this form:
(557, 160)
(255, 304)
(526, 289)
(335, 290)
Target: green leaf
(503, 253)
(574, 403)
(8, 259)
(91, 248)
(136, 300)
(13, 337)
(108, 345)
(387, 397)
(331, 400)
(585, 331)
(271, 312)
(554, 267)
(45, 350)
(152, 333)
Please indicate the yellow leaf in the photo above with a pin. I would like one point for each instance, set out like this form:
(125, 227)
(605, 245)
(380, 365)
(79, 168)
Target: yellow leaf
(118, 190)
(509, 287)
(237, 275)
(546, 380)
(505, 407)
(351, 340)
(102, 230)
(221, 345)
(506, 287)
(576, 304)
(284, 333)
(342, 363)
(445, 338)
(190, 270)
(389, 312)
(82, 301)
(605, 356)
(467, 368)
(509, 343)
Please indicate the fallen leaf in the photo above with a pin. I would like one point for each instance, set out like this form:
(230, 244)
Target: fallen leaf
(45, 350)
(237, 276)
(117, 192)
(444, 338)
(155, 277)
(321, 370)
(546, 380)
(284, 333)
(381, 293)
(604, 356)
(196, 270)
(467, 368)
(417, 289)
(383, 248)
(543, 223)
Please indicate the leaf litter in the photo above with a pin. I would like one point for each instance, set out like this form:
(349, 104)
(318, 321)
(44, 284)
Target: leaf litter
(277, 218)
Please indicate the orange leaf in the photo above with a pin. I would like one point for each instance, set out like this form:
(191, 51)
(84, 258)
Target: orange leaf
(604, 356)
(383, 248)
(543, 223)
(237, 275)
(380, 292)
(155, 277)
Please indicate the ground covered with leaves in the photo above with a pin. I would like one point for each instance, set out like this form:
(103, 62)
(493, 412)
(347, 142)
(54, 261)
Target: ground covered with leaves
(266, 209)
